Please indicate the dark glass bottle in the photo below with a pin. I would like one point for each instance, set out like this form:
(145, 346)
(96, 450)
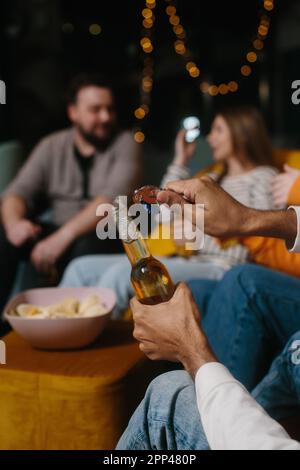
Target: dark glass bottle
(150, 278)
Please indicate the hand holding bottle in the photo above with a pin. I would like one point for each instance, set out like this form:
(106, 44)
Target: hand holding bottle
(172, 331)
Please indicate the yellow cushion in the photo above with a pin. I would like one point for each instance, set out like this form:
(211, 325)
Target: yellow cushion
(291, 157)
(159, 245)
(72, 399)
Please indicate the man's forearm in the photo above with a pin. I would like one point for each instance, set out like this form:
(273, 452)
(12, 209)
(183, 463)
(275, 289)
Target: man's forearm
(84, 222)
(196, 353)
(275, 224)
(13, 209)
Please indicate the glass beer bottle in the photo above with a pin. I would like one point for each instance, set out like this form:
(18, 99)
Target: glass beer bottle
(150, 278)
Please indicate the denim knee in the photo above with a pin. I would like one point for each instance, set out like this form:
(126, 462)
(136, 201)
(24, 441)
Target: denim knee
(170, 381)
(164, 388)
(249, 275)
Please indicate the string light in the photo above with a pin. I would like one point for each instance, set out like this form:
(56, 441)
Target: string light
(95, 29)
(223, 89)
(213, 90)
(233, 86)
(146, 43)
(139, 137)
(252, 57)
(258, 44)
(151, 4)
(246, 70)
(147, 13)
(194, 71)
(269, 5)
(180, 47)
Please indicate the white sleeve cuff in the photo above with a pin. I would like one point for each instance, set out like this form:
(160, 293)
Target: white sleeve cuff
(296, 247)
(210, 376)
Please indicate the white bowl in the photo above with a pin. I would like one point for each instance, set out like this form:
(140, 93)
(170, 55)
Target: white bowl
(59, 333)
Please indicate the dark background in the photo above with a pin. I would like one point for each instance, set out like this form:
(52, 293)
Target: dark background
(38, 59)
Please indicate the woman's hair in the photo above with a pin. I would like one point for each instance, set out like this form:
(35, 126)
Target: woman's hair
(249, 134)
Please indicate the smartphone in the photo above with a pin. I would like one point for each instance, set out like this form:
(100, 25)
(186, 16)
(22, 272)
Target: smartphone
(192, 126)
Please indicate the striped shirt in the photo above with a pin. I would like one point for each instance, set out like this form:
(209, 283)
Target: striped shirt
(252, 188)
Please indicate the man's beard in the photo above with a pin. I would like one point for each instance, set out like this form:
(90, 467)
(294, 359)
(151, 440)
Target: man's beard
(99, 142)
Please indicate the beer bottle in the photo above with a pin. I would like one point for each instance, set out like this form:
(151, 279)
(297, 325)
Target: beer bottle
(150, 278)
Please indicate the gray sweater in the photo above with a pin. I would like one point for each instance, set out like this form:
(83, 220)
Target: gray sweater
(53, 173)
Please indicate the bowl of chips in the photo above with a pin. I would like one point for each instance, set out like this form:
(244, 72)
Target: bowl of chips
(60, 318)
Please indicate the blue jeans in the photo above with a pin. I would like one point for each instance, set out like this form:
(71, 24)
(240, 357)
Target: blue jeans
(248, 318)
(251, 317)
(113, 271)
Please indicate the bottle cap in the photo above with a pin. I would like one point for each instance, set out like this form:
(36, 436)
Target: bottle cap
(146, 195)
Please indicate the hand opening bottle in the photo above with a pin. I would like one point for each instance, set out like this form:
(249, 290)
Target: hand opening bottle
(150, 278)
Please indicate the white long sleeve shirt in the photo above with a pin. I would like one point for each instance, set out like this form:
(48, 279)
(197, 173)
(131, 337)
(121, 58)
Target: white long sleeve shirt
(231, 418)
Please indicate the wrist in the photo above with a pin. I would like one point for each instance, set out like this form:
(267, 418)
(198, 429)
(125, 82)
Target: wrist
(12, 221)
(251, 222)
(66, 234)
(275, 224)
(179, 160)
(197, 356)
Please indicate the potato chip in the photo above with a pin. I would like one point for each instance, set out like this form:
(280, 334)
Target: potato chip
(29, 310)
(68, 308)
(91, 306)
(88, 302)
(94, 311)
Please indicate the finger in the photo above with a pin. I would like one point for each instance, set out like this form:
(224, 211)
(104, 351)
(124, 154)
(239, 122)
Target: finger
(39, 261)
(147, 348)
(45, 267)
(137, 334)
(279, 201)
(180, 289)
(183, 187)
(135, 305)
(279, 193)
(139, 310)
(194, 187)
(280, 180)
(279, 177)
(169, 198)
(133, 302)
(181, 134)
(183, 290)
(36, 262)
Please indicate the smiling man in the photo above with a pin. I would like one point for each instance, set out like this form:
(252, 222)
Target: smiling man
(69, 172)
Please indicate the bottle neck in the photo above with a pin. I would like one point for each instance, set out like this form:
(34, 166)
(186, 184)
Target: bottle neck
(134, 244)
(136, 250)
